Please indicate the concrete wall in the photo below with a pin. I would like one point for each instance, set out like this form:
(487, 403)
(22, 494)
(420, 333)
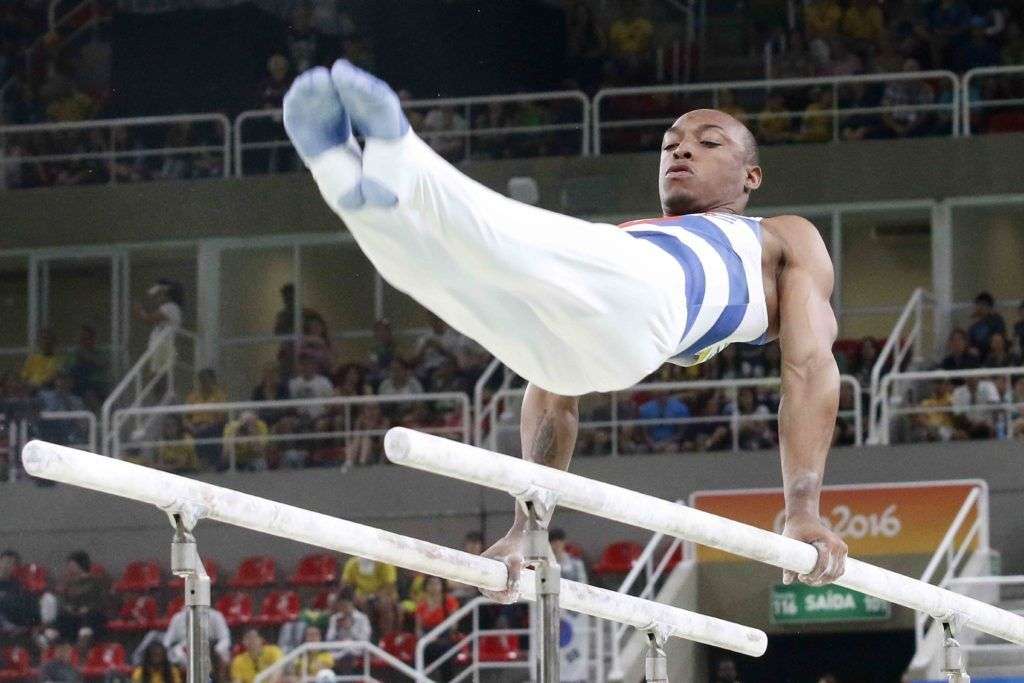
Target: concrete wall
(44, 523)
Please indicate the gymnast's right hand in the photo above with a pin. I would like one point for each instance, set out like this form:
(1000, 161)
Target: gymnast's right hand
(508, 550)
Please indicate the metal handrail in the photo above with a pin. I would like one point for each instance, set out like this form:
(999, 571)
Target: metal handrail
(735, 419)
(965, 91)
(887, 410)
(833, 81)
(88, 416)
(278, 667)
(913, 308)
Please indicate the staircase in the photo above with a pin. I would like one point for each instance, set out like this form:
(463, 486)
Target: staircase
(989, 657)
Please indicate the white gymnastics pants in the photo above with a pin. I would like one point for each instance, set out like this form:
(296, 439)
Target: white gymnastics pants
(573, 307)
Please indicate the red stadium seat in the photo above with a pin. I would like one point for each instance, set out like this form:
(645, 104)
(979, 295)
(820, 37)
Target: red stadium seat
(618, 558)
(139, 577)
(16, 663)
(278, 608)
(315, 570)
(500, 648)
(574, 549)
(105, 658)
(138, 614)
(236, 608)
(400, 645)
(320, 600)
(255, 572)
(173, 607)
(212, 569)
(51, 652)
(33, 577)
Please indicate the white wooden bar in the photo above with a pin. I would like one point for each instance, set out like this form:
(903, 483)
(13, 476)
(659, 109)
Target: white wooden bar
(516, 476)
(172, 493)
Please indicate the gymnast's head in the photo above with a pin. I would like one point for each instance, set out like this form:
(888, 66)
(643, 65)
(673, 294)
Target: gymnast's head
(709, 162)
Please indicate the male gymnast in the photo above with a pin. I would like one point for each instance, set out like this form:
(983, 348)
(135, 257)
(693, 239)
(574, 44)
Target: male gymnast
(577, 307)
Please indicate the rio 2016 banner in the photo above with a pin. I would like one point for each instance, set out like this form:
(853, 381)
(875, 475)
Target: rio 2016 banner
(873, 519)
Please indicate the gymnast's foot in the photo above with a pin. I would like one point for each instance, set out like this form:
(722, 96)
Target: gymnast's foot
(374, 107)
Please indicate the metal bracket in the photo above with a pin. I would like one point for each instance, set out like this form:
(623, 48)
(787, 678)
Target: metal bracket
(656, 662)
(952, 656)
(186, 514)
(186, 563)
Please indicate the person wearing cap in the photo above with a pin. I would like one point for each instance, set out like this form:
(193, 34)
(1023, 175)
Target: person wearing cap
(163, 313)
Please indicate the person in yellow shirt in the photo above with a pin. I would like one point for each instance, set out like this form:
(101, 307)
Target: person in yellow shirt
(155, 667)
(821, 18)
(42, 367)
(179, 455)
(246, 439)
(257, 657)
(863, 21)
(817, 124)
(376, 591)
(315, 662)
(210, 424)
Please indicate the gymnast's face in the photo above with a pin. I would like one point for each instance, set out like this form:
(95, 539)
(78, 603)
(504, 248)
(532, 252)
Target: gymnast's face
(707, 164)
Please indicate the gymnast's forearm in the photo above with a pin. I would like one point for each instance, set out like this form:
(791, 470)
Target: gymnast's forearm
(548, 428)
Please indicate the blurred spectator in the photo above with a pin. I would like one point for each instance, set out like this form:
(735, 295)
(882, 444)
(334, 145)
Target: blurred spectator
(207, 425)
(774, 124)
(828, 678)
(863, 23)
(400, 380)
(316, 661)
(309, 383)
(284, 321)
(433, 347)
(61, 668)
(304, 42)
(365, 447)
(382, 351)
(821, 19)
(276, 83)
(60, 399)
(18, 609)
(1018, 328)
(71, 104)
(710, 434)
(175, 638)
(866, 361)
(166, 298)
(817, 120)
(962, 355)
(156, 668)
(316, 344)
(572, 567)
(725, 671)
(935, 424)
(842, 61)
(375, 586)
(270, 388)
(586, 45)
(256, 657)
(350, 380)
(245, 442)
(976, 51)
(949, 21)
(999, 354)
(631, 36)
(83, 597)
(969, 401)
(348, 623)
(472, 543)
(907, 122)
(445, 131)
(446, 378)
(177, 453)
(986, 322)
(663, 437)
(755, 434)
(727, 103)
(42, 366)
(88, 369)
(435, 605)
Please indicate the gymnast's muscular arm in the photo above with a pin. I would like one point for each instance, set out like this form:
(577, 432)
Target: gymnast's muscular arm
(810, 390)
(548, 428)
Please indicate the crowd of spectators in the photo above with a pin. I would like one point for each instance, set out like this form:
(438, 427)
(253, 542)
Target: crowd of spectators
(364, 601)
(974, 407)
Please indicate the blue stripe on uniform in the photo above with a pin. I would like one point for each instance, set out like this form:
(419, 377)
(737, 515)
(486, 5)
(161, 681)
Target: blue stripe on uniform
(693, 269)
(739, 294)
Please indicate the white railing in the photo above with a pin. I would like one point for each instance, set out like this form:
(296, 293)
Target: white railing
(153, 414)
(972, 106)
(150, 380)
(9, 140)
(953, 549)
(894, 404)
(470, 644)
(735, 420)
(708, 94)
(905, 338)
(482, 413)
(467, 108)
(296, 662)
(652, 572)
(20, 430)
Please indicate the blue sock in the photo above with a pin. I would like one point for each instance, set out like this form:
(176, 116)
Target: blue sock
(313, 115)
(374, 107)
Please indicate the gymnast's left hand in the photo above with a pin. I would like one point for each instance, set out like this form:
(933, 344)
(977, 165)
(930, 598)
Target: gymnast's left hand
(831, 549)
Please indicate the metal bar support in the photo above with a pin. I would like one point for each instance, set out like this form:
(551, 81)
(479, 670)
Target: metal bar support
(952, 656)
(185, 563)
(655, 661)
(539, 505)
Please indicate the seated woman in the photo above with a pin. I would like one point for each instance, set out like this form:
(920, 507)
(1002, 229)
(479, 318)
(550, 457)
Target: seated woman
(435, 605)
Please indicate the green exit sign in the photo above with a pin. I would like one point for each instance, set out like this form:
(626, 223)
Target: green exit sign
(802, 604)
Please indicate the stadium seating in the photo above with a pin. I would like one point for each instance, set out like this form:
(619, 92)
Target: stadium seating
(138, 577)
(618, 558)
(51, 653)
(175, 604)
(16, 663)
(236, 608)
(136, 614)
(33, 577)
(400, 645)
(278, 608)
(315, 570)
(105, 658)
(503, 648)
(255, 572)
(212, 569)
